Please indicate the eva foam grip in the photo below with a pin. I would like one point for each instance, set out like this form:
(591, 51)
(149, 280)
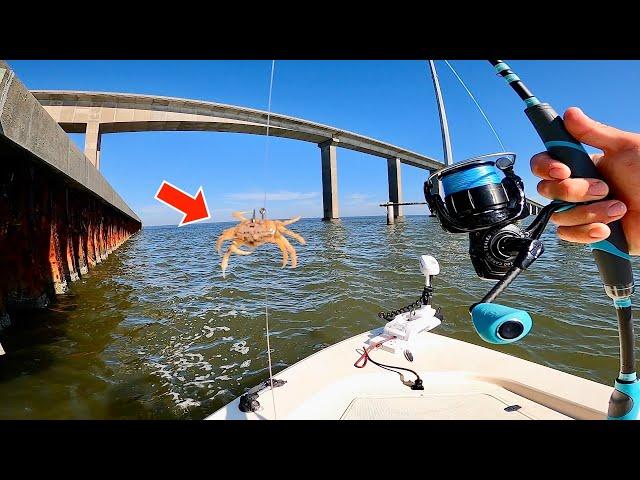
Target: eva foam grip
(625, 401)
(613, 263)
(495, 323)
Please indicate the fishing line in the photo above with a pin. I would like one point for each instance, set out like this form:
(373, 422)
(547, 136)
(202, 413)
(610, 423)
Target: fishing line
(264, 208)
(477, 105)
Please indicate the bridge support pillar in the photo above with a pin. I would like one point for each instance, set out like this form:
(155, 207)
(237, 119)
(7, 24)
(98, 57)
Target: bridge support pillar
(390, 217)
(92, 140)
(329, 180)
(395, 185)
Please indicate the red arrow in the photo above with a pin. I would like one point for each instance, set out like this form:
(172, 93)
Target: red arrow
(194, 208)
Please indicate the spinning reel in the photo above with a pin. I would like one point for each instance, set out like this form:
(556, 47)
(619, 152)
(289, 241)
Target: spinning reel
(485, 198)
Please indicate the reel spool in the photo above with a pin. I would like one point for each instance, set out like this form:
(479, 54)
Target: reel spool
(485, 198)
(480, 193)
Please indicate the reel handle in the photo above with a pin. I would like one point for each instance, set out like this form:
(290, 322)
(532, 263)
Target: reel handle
(611, 255)
(499, 324)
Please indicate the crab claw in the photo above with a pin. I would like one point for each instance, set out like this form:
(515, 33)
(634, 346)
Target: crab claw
(239, 215)
(292, 220)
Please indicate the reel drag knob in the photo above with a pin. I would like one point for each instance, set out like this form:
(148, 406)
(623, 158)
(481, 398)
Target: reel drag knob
(500, 324)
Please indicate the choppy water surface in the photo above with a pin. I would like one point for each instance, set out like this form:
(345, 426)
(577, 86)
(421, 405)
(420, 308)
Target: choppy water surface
(156, 332)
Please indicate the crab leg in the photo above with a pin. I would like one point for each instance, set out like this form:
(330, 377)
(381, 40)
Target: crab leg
(277, 239)
(227, 234)
(293, 220)
(225, 261)
(283, 229)
(233, 248)
(291, 250)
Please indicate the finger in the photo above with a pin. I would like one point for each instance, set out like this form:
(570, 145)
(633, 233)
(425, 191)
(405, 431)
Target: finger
(596, 157)
(598, 134)
(573, 189)
(593, 232)
(548, 168)
(601, 212)
(543, 165)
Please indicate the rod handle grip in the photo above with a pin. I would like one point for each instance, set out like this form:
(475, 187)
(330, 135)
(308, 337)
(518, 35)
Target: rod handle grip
(612, 254)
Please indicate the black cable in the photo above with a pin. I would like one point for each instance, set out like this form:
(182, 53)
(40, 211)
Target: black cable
(417, 385)
(425, 299)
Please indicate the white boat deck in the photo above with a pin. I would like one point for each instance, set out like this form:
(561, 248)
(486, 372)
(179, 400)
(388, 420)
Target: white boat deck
(461, 381)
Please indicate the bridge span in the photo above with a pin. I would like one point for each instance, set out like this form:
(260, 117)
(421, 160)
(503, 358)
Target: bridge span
(98, 113)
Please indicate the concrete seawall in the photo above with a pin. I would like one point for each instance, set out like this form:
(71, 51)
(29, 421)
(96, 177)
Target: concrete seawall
(59, 217)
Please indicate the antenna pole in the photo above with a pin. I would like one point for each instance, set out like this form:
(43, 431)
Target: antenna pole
(444, 126)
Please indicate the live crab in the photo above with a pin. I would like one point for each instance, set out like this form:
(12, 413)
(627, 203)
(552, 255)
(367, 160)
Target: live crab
(253, 232)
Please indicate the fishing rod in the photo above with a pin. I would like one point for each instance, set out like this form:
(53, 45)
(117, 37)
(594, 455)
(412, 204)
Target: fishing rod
(611, 255)
(485, 198)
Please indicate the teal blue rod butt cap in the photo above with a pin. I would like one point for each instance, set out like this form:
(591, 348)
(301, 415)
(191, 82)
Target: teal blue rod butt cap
(499, 324)
(625, 401)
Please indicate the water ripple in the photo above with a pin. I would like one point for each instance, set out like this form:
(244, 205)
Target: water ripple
(156, 332)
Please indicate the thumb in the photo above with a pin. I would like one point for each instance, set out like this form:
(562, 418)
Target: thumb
(598, 134)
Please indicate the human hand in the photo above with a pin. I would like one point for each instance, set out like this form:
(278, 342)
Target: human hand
(619, 166)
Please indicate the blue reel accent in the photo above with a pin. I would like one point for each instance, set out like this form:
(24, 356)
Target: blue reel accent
(500, 67)
(631, 390)
(531, 101)
(607, 246)
(622, 302)
(577, 146)
(565, 208)
(470, 178)
(492, 321)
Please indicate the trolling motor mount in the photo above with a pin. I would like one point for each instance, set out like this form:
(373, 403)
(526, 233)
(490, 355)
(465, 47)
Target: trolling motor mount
(479, 202)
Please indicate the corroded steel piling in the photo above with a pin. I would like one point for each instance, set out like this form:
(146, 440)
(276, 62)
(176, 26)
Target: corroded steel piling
(50, 234)
(59, 217)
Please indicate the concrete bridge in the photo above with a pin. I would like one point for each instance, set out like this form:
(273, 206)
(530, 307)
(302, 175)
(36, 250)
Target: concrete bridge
(98, 113)
(534, 207)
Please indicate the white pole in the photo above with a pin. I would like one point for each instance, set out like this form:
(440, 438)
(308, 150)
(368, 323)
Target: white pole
(444, 126)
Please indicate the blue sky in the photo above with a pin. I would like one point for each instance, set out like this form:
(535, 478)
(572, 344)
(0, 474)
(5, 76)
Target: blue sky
(389, 100)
